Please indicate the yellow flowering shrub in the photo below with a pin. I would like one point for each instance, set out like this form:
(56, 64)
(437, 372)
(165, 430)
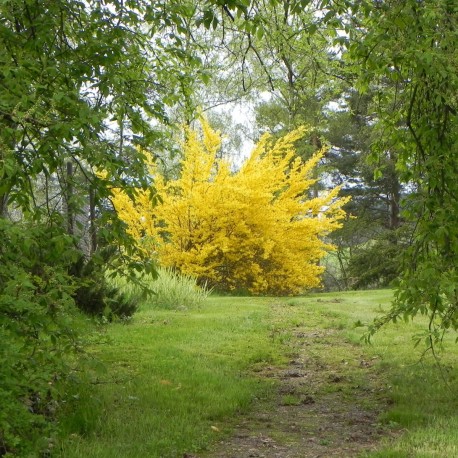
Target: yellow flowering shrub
(256, 229)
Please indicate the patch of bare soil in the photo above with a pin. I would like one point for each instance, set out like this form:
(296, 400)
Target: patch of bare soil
(323, 407)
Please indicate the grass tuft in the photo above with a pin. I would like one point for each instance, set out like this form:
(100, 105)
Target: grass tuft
(171, 290)
(176, 291)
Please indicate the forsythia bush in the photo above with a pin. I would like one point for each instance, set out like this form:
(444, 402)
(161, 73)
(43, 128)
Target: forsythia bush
(256, 229)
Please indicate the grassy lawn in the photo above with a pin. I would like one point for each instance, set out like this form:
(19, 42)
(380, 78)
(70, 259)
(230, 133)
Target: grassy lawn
(424, 403)
(174, 381)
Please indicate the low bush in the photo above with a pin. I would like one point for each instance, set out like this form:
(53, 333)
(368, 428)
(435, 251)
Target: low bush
(44, 280)
(96, 296)
(39, 330)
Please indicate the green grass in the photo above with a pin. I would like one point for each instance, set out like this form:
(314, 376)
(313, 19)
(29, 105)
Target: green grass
(170, 290)
(175, 380)
(424, 406)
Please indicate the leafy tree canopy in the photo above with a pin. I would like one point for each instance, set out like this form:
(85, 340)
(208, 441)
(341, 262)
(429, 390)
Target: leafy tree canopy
(412, 46)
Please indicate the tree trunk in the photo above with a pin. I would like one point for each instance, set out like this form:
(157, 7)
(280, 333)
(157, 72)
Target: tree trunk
(3, 205)
(92, 217)
(69, 199)
(394, 197)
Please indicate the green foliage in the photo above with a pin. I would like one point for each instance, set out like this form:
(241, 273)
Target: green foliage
(66, 69)
(80, 83)
(374, 227)
(95, 295)
(38, 329)
(377, 263)
(374, 266)
(411, 46)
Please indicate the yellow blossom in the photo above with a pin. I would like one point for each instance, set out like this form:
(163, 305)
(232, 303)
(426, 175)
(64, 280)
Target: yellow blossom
(255, 229)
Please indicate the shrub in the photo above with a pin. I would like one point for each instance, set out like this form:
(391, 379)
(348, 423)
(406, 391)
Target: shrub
(95, 295)
(44, 279)
(39, 328)
(257, 229)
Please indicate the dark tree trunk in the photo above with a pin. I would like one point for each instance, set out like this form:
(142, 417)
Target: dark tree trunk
(92, 217)
(69, 199)
(394, 197)
(3, 205)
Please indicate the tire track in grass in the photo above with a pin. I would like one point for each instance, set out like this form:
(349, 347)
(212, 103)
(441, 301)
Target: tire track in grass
(326, 403)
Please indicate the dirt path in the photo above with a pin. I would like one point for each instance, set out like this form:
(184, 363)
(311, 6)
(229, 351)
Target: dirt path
(326, 404)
